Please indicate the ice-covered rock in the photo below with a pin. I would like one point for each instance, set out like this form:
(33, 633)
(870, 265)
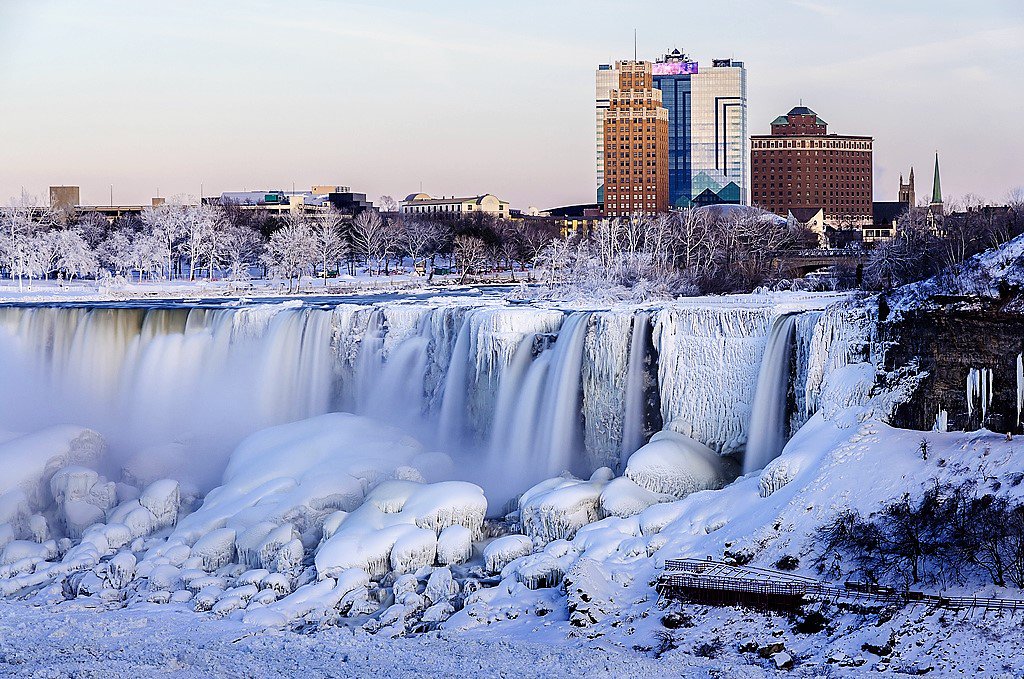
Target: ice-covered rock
(557, 508)
(502, 551)
(622, 497)
(30, 461)
(79, 515)
(121, 570)
(536, 571)
(413, 550)
(396, 510)
(437, 506)
(590, 592)
(162, 498)
(676, 465)
(216, 548)
(454, 545)
(440, 586)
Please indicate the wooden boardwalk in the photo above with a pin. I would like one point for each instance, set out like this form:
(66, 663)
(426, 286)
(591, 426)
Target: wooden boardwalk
(718, 583)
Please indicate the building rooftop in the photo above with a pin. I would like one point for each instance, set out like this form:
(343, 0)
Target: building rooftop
(424, 199)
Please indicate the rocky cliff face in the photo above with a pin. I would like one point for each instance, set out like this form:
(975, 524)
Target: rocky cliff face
(948, 336)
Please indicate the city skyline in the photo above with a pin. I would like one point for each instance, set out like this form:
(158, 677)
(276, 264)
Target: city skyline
(461, 99)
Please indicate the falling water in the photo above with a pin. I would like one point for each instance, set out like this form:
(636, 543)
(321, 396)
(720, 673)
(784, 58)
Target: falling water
(509, 389)
(199, 379)
(633, 420)
(768, 417)
(544, 426)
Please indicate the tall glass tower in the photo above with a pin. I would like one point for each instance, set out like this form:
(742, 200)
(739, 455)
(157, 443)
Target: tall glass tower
(707, 129)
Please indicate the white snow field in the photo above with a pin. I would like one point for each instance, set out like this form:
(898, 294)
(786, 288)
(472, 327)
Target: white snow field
(439, 486)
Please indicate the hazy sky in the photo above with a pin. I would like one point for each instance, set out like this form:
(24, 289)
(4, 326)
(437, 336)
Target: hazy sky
(471, 97)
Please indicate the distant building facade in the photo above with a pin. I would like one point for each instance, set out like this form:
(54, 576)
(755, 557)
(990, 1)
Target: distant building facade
(575, 220)
(801, 165)
(65, 198)
(319, 199)
(707, 129)
(635, 144)
(424, 204)
(606, 79)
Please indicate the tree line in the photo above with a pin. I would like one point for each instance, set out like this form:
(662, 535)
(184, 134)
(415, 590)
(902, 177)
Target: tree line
(719, 249)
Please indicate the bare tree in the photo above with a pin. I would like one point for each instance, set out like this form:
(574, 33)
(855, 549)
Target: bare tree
(387, 204)
(419, 238)
(291, 252)
(390, 240)
(470, 254)
(367, 236)
(325, 228)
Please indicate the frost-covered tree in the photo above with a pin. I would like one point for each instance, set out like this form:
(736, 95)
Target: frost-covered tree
(368, 236)
(94, 228)
(164, 223)
(387, 204)
(73, 257)
(291, 252)
(198, 225)
(470, 254)
(330, 246)
(240, 246)
(115, 253)
(420, 238)
(390, 240)
(20, 222)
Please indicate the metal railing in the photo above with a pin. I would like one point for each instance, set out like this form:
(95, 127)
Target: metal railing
(755, 585)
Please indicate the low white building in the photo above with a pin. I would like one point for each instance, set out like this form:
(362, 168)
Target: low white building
(424, 204)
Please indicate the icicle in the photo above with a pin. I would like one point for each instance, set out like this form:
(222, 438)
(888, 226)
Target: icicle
(1020, 386)
(941, 420)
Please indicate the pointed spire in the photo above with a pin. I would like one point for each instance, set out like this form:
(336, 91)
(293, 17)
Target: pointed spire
(911, 175)
(936, 184)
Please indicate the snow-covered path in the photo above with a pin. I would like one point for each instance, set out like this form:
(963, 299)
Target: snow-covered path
(81, 642)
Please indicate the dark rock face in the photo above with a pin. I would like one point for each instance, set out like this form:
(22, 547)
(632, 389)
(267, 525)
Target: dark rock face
(948, 336)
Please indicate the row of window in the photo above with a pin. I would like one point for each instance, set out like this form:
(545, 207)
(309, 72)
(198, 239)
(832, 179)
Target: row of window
(844, 144)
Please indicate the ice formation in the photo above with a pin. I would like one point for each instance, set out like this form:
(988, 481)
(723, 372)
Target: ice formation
(676, 465)
(1020, 386)
(979, 391)
(289, 511)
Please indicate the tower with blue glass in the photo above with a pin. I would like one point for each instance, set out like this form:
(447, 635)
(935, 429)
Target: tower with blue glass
(708, 147)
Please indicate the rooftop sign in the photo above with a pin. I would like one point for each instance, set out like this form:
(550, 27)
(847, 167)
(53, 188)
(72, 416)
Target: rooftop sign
(675, 68)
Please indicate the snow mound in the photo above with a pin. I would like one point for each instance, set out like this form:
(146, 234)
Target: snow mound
(29, 462)
(504, 550)
(398, 526)
(556, 508)
(623, 497)
(676, 465)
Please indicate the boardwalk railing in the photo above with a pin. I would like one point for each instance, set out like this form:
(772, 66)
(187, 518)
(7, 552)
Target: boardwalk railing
(722, 583)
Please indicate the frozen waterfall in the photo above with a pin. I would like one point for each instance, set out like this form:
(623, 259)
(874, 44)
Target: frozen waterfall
(518, 393)
(768, 419)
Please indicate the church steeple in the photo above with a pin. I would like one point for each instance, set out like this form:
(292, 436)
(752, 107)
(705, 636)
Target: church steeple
(935, 207)
(907, 192)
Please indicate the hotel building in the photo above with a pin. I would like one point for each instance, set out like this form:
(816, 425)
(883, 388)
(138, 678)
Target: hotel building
(635, 144)
(801, 165)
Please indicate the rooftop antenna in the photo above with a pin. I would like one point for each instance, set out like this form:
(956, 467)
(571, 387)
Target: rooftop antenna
(634, 45)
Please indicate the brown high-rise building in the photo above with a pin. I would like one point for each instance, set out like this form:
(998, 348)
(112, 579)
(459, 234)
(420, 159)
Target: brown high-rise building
(635, 144)
(800, 165)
